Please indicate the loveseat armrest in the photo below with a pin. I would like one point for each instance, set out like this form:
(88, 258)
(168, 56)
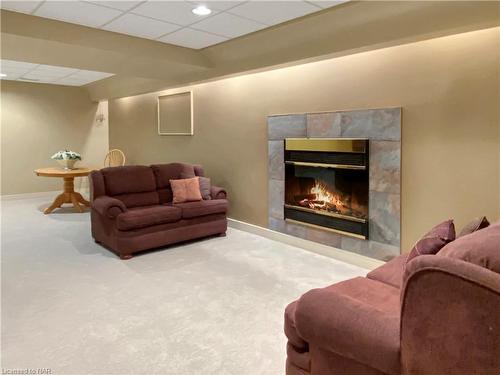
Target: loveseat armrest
(108, 207)
(450, 321)
(356, 319)
(218, 192)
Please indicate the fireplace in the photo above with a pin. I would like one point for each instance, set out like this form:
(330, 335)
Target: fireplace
(327, 184)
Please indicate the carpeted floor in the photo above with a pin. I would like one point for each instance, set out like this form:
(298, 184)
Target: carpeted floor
(208, 307)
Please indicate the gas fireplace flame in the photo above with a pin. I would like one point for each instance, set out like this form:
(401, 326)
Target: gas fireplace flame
(323, 198)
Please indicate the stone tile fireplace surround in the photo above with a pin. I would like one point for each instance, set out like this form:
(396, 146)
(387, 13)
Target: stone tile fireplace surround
(383, 128)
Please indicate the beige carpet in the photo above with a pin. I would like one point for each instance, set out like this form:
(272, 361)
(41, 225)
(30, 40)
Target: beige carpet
(208, 307)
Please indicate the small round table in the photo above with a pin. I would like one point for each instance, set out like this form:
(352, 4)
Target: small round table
(69, 195)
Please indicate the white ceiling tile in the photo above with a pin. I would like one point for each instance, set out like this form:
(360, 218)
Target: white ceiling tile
(273, 12)
(73, 81)
(34, 80)
(328, 3)
(178, 12)
(217, 5)
(12, 75)
(20, 6)
(132, 24)
(120, 5)
(157, 18)
(89, 74)
(21, 71)
(68, 83)
(77, 12)
(13, 71)
(40, 77)
(54, 69)
(228, 25)
(29, 80)
(192, 38)
(16, 64)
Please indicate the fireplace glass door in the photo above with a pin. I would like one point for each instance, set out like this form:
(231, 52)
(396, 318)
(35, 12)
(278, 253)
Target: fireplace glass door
(327, 190)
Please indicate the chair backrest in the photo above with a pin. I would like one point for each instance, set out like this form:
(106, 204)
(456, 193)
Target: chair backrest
(114, 158)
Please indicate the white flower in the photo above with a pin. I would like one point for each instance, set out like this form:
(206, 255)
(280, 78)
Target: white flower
(66, 155)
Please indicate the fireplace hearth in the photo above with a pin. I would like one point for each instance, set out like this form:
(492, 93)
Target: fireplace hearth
(327, 184)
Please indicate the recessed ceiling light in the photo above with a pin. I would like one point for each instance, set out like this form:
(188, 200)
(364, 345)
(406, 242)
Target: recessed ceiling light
(3, 75)
(201, 10)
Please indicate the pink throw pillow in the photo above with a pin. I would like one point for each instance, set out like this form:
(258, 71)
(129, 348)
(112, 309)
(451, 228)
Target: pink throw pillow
(434, 240)
(186, 190)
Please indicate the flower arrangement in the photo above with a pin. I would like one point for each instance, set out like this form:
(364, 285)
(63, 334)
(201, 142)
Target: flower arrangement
(67, 158)
(66, 155)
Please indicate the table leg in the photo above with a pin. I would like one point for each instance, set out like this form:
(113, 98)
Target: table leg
(75, 203)
(81, 199)
(58, 202)
(72, 196)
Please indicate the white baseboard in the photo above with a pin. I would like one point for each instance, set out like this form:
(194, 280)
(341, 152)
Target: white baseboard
(40, 194)
(332, 252)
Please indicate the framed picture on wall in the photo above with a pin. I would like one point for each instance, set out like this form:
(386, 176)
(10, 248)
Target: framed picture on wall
(175, 114)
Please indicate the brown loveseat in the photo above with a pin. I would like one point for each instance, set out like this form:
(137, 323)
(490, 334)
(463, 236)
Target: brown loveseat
(132, 210)
(439, 316)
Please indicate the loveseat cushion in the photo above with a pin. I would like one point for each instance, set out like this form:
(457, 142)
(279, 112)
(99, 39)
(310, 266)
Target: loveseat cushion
(202, 208)
(357, 319)
(128, 179)
(147, 216)
(173, 171)
(390, 273)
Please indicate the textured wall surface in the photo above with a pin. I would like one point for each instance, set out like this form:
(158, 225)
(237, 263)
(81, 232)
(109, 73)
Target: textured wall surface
(383, 128)
(40, 119)
(448, 87)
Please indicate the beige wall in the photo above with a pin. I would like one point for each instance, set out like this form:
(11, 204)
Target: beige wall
(448, 89)
(41, 119)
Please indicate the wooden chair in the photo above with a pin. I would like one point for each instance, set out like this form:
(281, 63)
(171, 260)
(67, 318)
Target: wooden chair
(114, 158)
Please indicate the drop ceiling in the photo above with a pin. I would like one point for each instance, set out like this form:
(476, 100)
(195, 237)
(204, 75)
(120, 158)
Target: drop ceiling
(173, 22)
(58, 75)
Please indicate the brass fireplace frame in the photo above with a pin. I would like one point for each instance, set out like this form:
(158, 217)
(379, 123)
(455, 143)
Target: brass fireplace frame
(351, 145)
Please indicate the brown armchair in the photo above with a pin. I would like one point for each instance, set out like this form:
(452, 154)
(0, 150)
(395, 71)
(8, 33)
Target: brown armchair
(132, 209)
(444, 320)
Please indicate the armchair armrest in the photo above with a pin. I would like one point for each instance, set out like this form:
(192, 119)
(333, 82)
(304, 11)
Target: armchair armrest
(357, 319)
(108, 207)
(218, 192)
(449, 317)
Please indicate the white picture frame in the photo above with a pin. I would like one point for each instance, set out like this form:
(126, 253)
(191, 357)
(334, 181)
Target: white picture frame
(173, 114)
